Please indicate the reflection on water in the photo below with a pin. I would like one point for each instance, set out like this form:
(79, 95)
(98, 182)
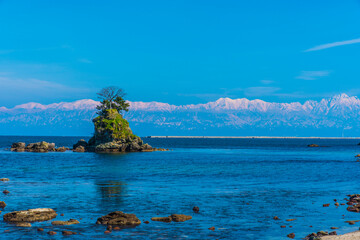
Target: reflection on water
(111, 191)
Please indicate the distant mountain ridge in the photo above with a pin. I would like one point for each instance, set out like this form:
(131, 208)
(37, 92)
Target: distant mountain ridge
(336, 116)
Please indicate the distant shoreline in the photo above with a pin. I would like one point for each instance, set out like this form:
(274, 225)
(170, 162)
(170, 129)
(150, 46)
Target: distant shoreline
(252, 137)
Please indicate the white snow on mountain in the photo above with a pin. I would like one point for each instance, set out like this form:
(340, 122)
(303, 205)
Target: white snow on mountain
(222, 117)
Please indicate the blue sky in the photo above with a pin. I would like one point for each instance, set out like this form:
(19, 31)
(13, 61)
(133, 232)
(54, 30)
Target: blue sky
(178, 52)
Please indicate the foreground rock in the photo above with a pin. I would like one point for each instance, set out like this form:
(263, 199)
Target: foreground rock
(319, 235)
(173, 217)
(68, 222)
(354, 203)
(31, 215)
(112, 135)
(119, 218)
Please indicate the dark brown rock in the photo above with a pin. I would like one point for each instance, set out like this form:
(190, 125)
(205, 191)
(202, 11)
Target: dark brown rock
(6, 192)
(119, 218)
(67, 233)
(51, 233)
(212, 228)
(326, 205)
(40, 229)
(291, 235)
(79, 149)
(196, 209)
(2, 204)
(4, 179)
(276, 218)
(31, 215)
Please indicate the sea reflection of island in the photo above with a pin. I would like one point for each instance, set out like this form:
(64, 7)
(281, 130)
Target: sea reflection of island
(111, 191)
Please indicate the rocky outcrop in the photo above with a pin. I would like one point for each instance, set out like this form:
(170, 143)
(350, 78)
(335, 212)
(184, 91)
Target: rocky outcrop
(31, 215)
(18, 147)
(41, 147)
(113, 134)
(33, 147)
(119, 218)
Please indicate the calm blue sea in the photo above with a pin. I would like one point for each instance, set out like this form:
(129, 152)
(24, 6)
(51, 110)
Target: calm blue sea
(239, 185)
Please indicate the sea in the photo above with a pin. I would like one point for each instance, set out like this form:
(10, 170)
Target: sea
(240, 185)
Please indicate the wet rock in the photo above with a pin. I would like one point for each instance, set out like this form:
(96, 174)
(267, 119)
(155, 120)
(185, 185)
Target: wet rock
(313, 145)
(337, 204)
(109, 228)
(40, 229)
(6, 192)
(146, 222)
(18, 147)
(352, 222)
(40, 147)
(196, 209)
(81, 143)
(61, 149)
(2, 204)
(51, 233)
(334, 228)
(4, 179)
(276, 218)
(358, 156)
(212, 228)
(23, 224)
(291, 235)
(117, 228)
(161, 219)
(67, 233)
(68, 222)
(333, 233)
(79, 149)
(290, 220)
(62, 214)
(107, 232)
(342, 204)
(31, 215)
(119, 218)
(283, 226)
(326, 205)
(180, 217)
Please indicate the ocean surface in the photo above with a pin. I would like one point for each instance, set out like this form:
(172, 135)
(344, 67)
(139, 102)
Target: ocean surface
(238, 184)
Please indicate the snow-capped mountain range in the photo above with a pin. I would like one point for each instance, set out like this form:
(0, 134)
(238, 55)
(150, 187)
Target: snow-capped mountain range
(336, 116)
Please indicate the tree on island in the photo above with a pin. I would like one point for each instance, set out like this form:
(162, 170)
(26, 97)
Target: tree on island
(112, 98)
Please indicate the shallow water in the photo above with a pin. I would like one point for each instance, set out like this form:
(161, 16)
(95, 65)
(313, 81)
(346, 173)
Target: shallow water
(239, 185)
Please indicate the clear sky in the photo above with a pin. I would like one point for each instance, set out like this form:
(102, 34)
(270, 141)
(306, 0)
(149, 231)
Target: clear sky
(178, 52)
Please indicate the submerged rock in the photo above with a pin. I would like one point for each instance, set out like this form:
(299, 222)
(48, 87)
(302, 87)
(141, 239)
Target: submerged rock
(2, 204)
(161, 219)
(173, 217)
(313, 145)
(68, 222)
(119, 218)
(4, 179)
(31, 215)
(67, 233)
(23, 224)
